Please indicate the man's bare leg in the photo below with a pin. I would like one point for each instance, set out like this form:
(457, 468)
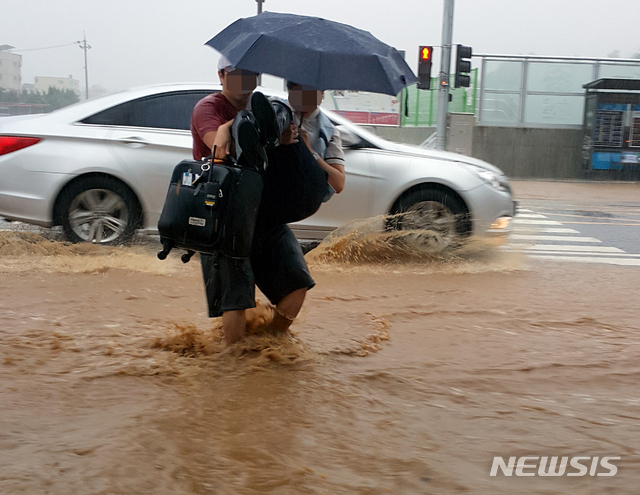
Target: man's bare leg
(287, 310)
(234, 325)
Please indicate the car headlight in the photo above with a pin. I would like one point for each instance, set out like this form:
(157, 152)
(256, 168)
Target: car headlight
(499, 182)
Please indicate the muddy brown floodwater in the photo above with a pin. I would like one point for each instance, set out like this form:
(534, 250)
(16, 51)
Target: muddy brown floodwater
(401, 376)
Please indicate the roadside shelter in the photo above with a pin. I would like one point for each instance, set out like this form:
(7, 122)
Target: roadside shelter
(611, 139)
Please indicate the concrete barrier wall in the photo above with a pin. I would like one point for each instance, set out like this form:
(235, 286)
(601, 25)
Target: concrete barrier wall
(519, 152)
(408, 135)
(531, 153)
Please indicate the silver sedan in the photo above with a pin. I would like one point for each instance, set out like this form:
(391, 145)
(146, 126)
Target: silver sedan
(101, 169)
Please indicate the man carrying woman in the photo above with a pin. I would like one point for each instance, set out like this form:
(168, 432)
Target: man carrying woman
(293, 176)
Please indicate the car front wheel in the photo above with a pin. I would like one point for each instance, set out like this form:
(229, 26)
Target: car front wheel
(432, 218)
(100, 210)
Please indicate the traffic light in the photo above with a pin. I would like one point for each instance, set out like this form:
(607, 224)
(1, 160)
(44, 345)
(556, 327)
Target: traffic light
(424, 67)
(463, 67)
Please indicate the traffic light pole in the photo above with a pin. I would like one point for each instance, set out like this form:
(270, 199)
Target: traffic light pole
(445, 66)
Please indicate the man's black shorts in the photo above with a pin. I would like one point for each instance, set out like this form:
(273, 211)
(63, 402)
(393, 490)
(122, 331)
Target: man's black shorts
(277, 266)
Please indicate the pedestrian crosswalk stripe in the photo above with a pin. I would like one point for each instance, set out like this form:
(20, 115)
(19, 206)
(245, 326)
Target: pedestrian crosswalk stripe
(571, 253)
(564, 247)
(545, 230)
(558, 231)
(530, 215)
(535, 237)
(583, 259)
(528, 221)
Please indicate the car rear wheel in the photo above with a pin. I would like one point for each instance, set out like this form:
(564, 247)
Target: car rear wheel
(100, 210)
(432, 218)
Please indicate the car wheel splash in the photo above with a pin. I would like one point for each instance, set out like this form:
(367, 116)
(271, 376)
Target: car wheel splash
(429, 224)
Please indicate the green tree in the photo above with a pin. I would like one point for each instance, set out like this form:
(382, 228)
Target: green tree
(9, 96)
(31, 98)
(56, 98)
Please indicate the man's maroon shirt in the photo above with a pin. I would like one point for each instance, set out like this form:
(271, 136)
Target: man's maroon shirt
(209, 114)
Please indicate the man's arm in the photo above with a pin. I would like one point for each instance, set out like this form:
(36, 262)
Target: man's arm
(209, 122)
(221, 139)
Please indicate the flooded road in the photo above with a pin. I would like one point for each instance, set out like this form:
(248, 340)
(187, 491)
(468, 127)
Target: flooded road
(399, 377)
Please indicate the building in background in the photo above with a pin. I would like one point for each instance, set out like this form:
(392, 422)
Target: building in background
(10, 69)
(364, 108)
(42, 84)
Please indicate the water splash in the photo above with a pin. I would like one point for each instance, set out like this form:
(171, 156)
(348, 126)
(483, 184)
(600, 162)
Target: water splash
(366, 243)
(19, 249)
(259, 348)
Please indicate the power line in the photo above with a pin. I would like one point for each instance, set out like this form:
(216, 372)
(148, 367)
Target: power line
(43, 48)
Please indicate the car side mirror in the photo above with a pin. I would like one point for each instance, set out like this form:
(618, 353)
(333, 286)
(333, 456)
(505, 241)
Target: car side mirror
(349, 138)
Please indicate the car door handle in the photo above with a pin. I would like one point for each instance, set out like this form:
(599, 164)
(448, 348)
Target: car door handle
(133, 140)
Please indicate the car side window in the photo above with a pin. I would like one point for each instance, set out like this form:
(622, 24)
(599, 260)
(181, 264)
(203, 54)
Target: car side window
(167, 111)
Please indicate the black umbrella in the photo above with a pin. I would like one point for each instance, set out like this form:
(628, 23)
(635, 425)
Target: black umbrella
(313, 51)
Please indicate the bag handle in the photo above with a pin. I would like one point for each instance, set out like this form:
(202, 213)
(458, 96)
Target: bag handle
(213, 157)
(208, 162)
(229, 162)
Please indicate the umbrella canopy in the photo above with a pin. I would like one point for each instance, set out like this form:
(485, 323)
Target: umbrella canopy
(314, 51)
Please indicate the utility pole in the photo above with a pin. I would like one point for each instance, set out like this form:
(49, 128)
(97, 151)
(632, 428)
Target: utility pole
(445, 65)
(84, 46)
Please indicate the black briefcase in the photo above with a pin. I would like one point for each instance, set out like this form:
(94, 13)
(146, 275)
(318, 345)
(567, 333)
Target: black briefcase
(210, 207)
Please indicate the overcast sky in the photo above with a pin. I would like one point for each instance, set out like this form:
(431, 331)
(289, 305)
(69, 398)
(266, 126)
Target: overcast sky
(139, 42)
